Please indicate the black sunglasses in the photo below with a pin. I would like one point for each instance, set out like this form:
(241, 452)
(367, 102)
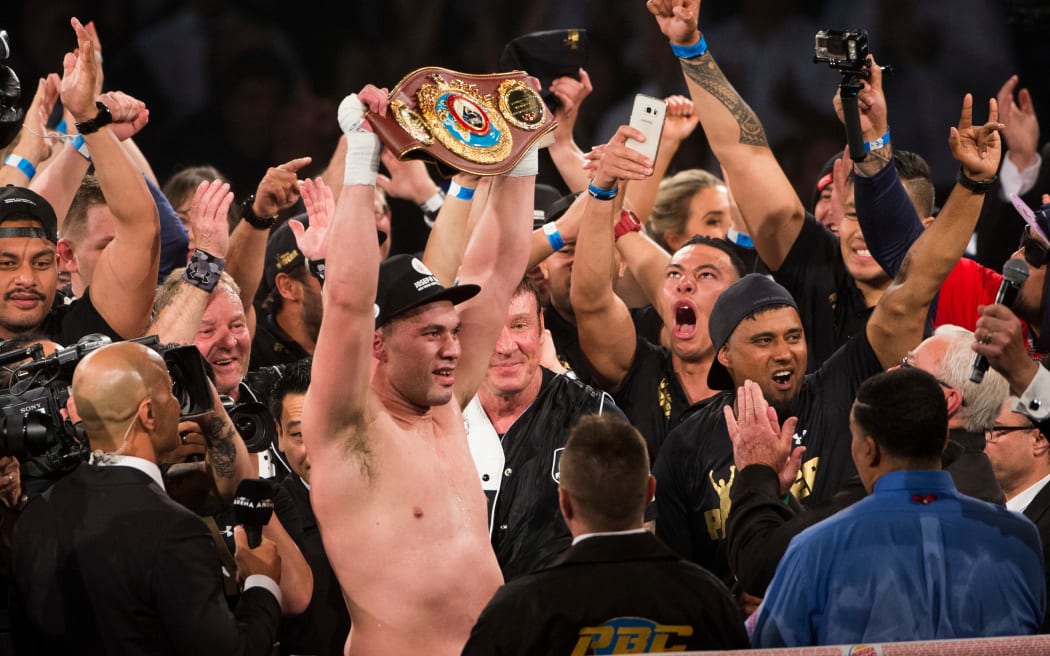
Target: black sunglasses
(1035, 254)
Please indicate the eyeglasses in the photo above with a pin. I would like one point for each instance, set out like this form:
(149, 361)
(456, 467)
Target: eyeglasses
(905, 364)
(995, 433)
(1035, 254)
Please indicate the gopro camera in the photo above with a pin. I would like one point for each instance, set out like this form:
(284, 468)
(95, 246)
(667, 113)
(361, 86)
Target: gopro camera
(845, 50)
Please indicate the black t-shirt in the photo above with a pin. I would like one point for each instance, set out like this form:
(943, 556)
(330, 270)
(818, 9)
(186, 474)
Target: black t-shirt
(651, 396)
(695, 469)
(831, 307)
(66, 324)
(272, 346)
(322, 628)
(567, 343)
(647, 323)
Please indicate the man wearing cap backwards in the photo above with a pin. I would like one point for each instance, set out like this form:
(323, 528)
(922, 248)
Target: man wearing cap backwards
(392, 482)
(758, 335)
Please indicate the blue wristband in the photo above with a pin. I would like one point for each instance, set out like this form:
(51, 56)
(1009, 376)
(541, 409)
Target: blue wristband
(61, 127)
(881, 142)
(22, 164)
(81, 147)
(690, 52)
(462, 193)
(598, 193)
(553, 236)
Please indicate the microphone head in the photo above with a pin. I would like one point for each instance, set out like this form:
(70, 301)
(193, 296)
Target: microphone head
(253, 503)
(1015, 271)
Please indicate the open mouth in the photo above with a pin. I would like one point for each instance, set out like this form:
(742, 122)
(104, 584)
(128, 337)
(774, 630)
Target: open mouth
(862, 252)
(684, 320)
(783, 377)
(446, 374)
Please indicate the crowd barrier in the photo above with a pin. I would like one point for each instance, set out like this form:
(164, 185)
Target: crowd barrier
(1012, 646)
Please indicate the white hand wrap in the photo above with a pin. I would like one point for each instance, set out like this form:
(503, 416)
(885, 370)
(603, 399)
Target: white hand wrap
(362, 146)
(529, 164)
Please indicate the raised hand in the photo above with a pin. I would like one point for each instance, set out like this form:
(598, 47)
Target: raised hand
(80, 76)
(408, 180)
(129, 114)
(320, 207)
(759, 439)
(1020, 124)
(279, 188)
(677, 19)
(977, 148)
(208, 211)
(617, 162)
(681, 119)
(571, 93)
(871, 102)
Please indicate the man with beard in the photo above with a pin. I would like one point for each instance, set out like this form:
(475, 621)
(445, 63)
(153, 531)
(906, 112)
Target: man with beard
(757, 331)
(836, 282)
(287, 331)
(654, 386)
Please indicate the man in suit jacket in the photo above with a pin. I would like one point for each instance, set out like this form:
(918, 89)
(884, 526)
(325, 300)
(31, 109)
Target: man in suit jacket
(617, 588)
(106, 562)
(1020, 455)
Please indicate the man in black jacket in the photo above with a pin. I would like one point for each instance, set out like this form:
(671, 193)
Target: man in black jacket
(618, 588)
(517, 425)
(106, 562)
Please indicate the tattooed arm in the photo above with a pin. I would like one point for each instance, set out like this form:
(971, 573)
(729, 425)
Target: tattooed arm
(772, 210)
(228, 456)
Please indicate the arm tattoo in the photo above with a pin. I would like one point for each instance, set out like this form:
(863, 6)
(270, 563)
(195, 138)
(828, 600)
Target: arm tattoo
(221, 449)
(874, 162)
(705, 72)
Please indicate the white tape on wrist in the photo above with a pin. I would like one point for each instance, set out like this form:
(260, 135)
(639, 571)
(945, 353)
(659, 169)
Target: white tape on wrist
(528, 165)
(362, 158)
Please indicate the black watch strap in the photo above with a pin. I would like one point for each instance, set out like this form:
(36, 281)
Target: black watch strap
(976, 186)
(255, 221)
(104, 117)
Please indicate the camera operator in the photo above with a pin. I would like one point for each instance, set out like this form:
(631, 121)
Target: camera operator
(147, 559)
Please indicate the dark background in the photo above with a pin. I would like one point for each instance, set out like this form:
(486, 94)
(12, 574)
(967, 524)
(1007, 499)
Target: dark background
(246, 85)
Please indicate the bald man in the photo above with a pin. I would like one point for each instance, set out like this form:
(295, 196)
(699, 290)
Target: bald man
(106, 562)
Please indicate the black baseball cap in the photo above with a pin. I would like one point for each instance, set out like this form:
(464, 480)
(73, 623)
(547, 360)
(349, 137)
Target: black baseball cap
(752, 292)
(283, 254)
(547, 55)
(406, 283)
(21, 203)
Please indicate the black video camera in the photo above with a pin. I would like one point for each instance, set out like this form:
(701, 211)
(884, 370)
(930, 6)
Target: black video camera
(843, 50)
(253, 422)
(11, 112)
(32, 427)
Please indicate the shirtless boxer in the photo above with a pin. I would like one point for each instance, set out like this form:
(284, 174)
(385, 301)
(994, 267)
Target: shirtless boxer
(395, 491)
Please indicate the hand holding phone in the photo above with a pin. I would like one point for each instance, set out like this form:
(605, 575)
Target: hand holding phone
(647, 116)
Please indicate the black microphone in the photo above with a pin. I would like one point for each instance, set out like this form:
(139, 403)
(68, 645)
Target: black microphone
(252, 508)
(1015, 272)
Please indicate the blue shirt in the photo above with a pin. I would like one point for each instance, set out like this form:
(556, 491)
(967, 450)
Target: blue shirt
(915, 560)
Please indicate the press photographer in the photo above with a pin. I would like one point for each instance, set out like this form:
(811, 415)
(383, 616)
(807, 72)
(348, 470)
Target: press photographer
(36, 425)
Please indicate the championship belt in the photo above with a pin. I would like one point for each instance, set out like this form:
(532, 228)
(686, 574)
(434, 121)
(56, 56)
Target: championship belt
(480, 124)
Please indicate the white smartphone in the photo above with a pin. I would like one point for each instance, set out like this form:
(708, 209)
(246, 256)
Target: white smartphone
(647, 116)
